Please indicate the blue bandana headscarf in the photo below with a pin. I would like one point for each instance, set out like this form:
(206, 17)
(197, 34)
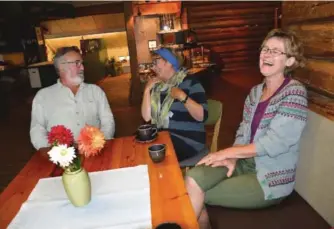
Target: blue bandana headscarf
(169, 56)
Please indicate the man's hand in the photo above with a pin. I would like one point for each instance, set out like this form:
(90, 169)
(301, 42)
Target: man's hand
(177, 93)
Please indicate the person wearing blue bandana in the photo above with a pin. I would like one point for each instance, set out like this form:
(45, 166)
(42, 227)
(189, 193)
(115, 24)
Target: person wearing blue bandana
(176, 103)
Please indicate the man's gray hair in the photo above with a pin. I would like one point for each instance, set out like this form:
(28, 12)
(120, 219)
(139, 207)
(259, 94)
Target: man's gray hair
(61, 52)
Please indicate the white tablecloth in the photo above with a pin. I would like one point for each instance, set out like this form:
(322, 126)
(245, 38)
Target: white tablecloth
(120, 200)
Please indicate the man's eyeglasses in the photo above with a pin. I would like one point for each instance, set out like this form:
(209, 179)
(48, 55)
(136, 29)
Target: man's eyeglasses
(273, 52)
(78, 63)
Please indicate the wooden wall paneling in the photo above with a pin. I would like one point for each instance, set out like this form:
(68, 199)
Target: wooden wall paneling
(238, 65)
(234, 30)
(300, 11)
(249, 53)
(318, 38)
(231, 12)
(253, 32)
(313, 24)
(212, 5)
(238, 59)
(235, 47)
(258, 16)
(234, 41)
(318, 74)
(222, 23)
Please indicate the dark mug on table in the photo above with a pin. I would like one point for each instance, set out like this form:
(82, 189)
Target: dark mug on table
(146, 132)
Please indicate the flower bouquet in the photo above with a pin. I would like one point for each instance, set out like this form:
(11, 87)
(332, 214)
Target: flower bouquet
(66, 154)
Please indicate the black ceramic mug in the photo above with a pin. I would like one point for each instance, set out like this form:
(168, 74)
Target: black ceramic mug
(157, 152)
(146, 132)
(168, 226)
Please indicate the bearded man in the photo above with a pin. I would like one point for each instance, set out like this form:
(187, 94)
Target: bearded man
(69, 102)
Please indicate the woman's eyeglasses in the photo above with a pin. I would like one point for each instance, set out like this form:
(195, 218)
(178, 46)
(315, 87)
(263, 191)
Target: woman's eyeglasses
(155, 60)
(273, 52)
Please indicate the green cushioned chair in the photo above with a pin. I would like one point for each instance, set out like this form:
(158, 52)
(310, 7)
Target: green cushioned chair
(215, 110)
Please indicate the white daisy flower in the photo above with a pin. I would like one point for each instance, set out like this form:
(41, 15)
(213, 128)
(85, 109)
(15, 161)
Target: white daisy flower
(62, 154)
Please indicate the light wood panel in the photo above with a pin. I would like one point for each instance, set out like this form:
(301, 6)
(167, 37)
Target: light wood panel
(318, 38)
(157, 8)
(84, 25)
(313, 24)
(299, 11)
(318, 74)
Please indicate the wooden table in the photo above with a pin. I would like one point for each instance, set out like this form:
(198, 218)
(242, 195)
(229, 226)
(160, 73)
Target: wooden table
(169, 198)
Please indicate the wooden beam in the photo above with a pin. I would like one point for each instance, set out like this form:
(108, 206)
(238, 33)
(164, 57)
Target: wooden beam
(230, 12)
(213, 31)
(232, 41)
(233, 35)
(211, 5)
(157, 8)
(232, 23)
(135, 86)
(110, 8)
(233, 17)
(238, 65)
(248, 53)
(235, 47)
(238, 59)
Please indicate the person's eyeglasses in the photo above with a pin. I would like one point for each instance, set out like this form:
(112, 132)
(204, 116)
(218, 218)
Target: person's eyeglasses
(273, 52)
(77, 63)
(155, 61)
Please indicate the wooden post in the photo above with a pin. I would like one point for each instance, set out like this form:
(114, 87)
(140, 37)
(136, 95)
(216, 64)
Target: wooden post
(135, 86)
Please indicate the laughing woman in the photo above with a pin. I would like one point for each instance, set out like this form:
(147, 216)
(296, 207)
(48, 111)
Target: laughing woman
(259, 170)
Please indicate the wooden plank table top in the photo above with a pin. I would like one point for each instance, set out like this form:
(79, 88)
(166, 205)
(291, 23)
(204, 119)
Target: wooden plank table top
(169, 199)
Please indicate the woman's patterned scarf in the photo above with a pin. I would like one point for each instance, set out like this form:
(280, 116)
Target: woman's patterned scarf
(159, 111)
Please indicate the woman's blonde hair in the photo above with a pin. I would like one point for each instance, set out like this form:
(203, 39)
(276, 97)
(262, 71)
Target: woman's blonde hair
(293, 47)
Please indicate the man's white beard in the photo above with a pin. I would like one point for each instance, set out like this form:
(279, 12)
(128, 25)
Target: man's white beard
(77, 80)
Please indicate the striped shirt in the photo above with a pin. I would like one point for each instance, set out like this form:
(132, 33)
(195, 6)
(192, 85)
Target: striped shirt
(187, 134)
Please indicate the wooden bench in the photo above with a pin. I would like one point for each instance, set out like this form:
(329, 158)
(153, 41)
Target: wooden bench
(292, 213)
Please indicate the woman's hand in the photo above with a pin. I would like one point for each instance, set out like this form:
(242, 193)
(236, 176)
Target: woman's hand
(211, 158)
(150, 83)
(177, 93)
(228, 163)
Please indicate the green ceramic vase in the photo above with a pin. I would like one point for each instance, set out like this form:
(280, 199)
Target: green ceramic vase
(77, 187)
